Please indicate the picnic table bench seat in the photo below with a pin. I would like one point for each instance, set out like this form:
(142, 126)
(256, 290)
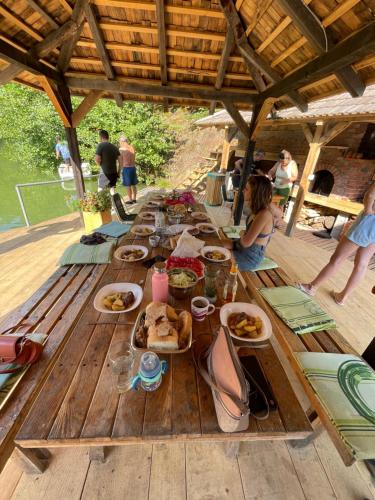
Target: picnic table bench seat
(53, 310)
(328, 341)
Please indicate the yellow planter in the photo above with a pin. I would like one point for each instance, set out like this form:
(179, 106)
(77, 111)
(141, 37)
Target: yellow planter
(94, 220)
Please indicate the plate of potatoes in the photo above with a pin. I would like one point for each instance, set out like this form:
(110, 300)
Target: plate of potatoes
(246, 322)
(117, 298)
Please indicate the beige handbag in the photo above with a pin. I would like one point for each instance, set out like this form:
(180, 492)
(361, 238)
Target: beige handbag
(225, 376)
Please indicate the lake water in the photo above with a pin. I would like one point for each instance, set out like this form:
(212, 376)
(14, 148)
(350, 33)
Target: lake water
(41, 202)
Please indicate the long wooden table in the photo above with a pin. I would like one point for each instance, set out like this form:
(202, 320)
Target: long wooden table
(79, 404)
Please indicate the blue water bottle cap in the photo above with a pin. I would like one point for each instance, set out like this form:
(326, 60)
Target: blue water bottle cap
(150, 365)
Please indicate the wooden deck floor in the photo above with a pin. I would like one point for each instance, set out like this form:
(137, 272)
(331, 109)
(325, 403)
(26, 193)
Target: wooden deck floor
(264, 470)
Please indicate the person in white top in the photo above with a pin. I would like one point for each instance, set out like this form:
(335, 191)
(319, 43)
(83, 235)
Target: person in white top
(284, 173)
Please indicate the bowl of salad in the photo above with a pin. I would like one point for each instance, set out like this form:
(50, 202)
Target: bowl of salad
(181, 282)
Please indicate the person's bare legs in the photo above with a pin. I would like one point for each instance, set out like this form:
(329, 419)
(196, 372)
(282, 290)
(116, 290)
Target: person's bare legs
(130, 193)
(343, 250)
(134, 189)
(362, 258)
(112, 190)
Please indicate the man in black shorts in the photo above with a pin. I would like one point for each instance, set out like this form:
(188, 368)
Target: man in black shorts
(106, 156)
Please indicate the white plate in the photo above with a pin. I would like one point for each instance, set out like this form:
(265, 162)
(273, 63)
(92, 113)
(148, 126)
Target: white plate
(199, 216)
(222, 250)
(211, 228)
(179, 228)
(251, 310)
(114, 288)
(135, 230)
(147, 216)
(120, 250)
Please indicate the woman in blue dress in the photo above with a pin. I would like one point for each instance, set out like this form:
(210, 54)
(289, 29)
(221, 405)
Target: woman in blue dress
(360, 240)
(249, 250)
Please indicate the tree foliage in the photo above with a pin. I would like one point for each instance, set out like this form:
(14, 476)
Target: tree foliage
(29, 125)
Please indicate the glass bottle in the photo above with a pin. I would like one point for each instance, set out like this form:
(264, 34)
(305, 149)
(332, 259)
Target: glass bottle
(210, 285)
(230, 287)
(159, 283)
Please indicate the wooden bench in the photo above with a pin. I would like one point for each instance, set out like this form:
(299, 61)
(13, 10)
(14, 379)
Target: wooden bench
(329, 341)
(53, 310)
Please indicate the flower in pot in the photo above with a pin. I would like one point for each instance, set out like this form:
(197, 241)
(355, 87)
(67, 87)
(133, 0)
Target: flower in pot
(96, 209)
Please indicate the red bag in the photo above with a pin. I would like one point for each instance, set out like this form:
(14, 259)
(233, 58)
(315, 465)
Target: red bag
(19, 350)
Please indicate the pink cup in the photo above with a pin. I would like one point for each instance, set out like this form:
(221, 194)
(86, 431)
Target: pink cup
(201, 307)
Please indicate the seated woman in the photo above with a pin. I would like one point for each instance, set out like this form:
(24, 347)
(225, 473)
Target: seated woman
(284, 173)
(249, 250)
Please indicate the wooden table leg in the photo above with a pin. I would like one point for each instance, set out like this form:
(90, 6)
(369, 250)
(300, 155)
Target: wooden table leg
(97, 454)
(232, 449)
(32, 461)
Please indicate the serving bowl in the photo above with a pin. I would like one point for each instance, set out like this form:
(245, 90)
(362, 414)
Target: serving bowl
(178, 291)
(252, 310)
(120, 251)
(224, 251)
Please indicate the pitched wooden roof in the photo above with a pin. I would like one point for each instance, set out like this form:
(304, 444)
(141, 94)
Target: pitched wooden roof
(137, 49)
(341, 107)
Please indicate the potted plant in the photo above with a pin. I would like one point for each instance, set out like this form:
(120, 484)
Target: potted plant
(96, 209)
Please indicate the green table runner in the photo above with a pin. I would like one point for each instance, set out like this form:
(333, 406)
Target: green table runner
(233, 232)
(345, 385)
(266, 263)
(299, 311)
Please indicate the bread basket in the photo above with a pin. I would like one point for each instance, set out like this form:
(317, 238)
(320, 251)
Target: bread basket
(141, 316)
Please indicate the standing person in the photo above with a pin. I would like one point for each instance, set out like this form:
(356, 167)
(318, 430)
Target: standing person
(360, 240)
(106, 156)
(128, 169)
(260, 225)
(62, 151)
(285, 172)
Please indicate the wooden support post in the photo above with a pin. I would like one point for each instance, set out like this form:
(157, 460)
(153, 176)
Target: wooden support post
(97, 454)
(71, 137)
(322, 136)
(32, 461)
(259, 115)
(226, 149)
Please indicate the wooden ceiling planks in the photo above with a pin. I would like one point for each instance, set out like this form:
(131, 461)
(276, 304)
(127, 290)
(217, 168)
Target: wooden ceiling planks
(195, 33)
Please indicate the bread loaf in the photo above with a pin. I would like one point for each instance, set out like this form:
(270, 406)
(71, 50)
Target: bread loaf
(167, 342)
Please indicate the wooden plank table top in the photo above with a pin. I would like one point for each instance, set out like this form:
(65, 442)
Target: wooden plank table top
(329, 341)
(79, 403)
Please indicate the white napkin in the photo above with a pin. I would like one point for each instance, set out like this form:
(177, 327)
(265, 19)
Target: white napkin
(188, 246)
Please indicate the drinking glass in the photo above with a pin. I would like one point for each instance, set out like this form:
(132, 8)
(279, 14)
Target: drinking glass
(121, 357)
(210, 284)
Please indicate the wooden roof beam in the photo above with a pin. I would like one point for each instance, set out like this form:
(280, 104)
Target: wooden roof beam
(249, 54)
(126, 87)
(68, 46)
(20, 23)
(100, 47)
(39, 50)
(56, 100)
(23, 61)
(237, 118)
(170, 9)
(315, 33)
(354, 48)
(162, 38)
(35, 6)
(85, 106)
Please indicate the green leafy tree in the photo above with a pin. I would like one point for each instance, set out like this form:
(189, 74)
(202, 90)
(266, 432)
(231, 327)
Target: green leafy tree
(29, 125)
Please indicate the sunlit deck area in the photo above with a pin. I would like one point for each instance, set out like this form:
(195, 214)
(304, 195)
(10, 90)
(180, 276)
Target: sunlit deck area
(268, 469)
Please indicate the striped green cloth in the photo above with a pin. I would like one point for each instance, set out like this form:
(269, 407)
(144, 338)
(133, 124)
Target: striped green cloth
(87, 254)
(297, 310)
(266, 263)
(345, 385)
